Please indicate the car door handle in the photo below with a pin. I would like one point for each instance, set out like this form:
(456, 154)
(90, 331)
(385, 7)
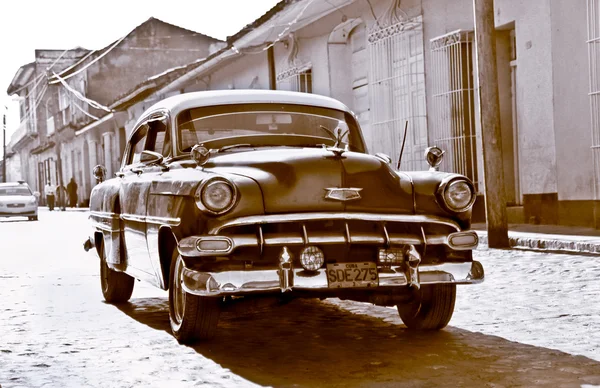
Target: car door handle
(119, 174)
(137, 171)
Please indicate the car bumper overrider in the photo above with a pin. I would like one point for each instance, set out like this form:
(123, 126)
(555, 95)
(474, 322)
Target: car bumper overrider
(401, 234)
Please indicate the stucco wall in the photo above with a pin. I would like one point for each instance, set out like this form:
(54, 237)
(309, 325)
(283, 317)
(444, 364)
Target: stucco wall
(572, 123)
(535, 102)
(241, 73)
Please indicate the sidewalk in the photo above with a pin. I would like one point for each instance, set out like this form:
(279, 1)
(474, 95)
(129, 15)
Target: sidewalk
(548, 237)
(68, 209)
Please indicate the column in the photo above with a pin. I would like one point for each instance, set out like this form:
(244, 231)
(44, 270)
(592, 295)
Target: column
(107, 139)
(93, 147)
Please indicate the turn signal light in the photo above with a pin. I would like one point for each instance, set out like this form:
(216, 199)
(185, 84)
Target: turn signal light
(214, 244)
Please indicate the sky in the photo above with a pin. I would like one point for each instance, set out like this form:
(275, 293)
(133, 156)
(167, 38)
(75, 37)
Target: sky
(27, 25)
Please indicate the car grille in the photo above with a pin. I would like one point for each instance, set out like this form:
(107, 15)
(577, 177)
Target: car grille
(13, 205)
(340, 239)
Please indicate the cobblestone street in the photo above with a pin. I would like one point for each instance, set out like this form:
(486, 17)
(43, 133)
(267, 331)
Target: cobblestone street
(534, 321)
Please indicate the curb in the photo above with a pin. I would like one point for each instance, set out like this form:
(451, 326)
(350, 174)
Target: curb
(574, 244)
(68, 209)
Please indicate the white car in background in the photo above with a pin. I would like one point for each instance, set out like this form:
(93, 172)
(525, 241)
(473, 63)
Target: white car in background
(17, 200)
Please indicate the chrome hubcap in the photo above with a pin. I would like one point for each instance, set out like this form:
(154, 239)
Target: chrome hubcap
(178, 292)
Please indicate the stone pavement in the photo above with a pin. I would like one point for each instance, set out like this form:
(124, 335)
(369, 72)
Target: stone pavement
(548, 237)
(533, 322)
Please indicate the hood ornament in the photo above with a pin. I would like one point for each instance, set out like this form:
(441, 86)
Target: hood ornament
(338, 137)
(343, 193)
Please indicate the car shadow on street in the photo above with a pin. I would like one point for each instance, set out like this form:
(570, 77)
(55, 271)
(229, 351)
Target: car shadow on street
(308, 343)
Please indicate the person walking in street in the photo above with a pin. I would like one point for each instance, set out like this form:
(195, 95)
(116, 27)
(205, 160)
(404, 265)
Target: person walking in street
(50, 191)
(61, 197)
(72, 190)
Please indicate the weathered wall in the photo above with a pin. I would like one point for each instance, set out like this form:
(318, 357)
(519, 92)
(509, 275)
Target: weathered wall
(248, 72)
(145, 52)
(571, 113)
(537, 145)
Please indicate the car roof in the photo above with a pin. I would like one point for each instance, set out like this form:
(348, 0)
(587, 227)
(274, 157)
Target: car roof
(176, 104)
(14, 184)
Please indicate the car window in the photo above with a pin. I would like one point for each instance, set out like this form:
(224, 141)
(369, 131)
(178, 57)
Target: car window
(314, 124)
(158, 138)
(137, 144)
(16, 190)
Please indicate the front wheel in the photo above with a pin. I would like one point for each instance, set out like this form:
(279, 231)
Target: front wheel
(33, 218)
(117, 287)
(192, 317)
(432, 309)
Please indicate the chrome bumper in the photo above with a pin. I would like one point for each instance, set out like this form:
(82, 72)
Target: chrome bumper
(289, 280)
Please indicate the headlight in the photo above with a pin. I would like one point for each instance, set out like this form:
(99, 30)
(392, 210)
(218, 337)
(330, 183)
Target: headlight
(459, 195)
(32, 201)
(216, 196)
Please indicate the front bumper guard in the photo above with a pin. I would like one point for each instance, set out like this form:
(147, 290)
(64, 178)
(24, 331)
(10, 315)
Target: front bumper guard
(288, 279)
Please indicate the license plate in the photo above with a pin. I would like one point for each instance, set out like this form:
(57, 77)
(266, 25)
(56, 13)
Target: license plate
(347, 275)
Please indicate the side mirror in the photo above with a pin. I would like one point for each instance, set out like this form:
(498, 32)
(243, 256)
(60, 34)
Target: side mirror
(151, 157)
(37, 194)
(99, 172)
(385, 158)
(434, 156)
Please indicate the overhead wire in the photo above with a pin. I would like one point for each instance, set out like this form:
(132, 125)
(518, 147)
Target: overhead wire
(92, 103)
(88, 64)
(84, 111)
(35, 79)
(280, 36)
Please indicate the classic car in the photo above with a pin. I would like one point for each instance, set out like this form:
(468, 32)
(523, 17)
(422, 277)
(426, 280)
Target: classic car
(226, 197)
(17, 200)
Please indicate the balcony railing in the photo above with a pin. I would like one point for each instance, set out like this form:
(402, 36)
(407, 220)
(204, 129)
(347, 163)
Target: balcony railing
(19, 133)
(63, 119)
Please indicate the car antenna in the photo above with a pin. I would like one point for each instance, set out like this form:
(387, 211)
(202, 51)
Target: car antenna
(403, 142)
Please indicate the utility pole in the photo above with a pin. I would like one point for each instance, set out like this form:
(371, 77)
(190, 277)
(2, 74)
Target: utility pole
(4, 145)
(493, 164)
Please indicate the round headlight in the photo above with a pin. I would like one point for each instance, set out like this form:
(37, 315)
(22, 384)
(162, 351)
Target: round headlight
(459, 195)
(216, 196)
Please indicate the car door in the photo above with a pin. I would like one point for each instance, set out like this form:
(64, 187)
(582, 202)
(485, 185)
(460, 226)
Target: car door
(136, 178)
(158, 204)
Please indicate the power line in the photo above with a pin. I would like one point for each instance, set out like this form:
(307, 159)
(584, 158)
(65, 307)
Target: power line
(84, 112)
(28, 83)
(281, 35)
(92, 103)
(89, 64)
(158, 49)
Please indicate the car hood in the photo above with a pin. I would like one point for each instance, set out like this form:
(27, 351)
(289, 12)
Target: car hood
(297, 179)
(16, 199)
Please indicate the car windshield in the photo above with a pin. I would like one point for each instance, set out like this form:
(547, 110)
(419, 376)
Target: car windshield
(267, 125)
(17, 190)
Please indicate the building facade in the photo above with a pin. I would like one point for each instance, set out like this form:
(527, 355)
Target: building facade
(412, 64)
(68, 124)
(398, 65)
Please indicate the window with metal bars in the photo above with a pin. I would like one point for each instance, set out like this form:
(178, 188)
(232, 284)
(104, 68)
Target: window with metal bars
(593, 42)
(296, 79)
(453, 110)
(397, 92)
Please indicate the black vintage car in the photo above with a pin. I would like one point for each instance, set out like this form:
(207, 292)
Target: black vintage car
(232, 196)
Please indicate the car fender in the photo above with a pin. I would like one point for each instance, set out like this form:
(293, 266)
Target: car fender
(105, 216)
